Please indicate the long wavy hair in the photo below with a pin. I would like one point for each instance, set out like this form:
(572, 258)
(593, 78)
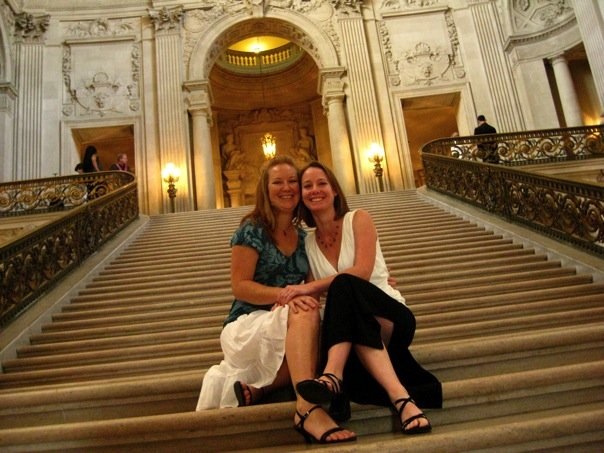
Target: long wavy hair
(339, 203)
(263, 212)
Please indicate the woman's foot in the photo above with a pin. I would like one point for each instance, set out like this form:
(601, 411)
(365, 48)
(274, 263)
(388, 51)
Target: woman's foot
(413, 420)
(246, 394)
(316, 425)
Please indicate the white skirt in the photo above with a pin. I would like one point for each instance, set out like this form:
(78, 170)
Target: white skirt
(254, 348)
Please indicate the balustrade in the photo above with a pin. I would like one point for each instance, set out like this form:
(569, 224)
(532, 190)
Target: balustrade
(570, 210)
(96, 206)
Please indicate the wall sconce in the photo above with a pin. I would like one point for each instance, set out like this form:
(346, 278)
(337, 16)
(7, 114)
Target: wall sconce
(269, 146)
(376, 157)
(171, 174)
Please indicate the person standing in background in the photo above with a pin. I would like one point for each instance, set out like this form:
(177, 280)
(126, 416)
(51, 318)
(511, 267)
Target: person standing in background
(90, 163)
(121, 164)
(487, 150)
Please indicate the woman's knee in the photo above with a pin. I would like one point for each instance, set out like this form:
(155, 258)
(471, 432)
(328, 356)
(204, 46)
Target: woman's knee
(307, 317)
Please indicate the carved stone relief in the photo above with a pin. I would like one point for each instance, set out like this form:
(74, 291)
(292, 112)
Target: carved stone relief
(397, 5)
(530, 16)
(166, 20)
(29, 28)
(94, 87)
(100, 28)
(424, 63)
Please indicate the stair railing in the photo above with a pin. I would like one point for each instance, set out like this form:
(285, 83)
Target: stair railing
(91, 209)
(569, 210)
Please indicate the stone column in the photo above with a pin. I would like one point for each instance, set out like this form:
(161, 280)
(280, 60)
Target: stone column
(566, 90)
(332, 89)
(500, 79)
(171, 120)
(200, 108)
(591, 26)
(27, 156)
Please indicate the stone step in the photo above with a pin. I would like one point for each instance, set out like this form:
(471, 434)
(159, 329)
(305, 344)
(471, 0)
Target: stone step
(270, 426)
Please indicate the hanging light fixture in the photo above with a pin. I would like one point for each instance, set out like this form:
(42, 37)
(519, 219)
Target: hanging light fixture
(269, 146)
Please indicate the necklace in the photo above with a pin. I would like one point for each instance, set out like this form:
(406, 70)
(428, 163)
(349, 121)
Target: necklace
(288, 229)
(327, 241)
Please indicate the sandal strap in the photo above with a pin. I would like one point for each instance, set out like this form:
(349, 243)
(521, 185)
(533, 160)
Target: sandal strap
(412, 419)
(329, 432)
(405, 401)
(304, 416)
(336, 382)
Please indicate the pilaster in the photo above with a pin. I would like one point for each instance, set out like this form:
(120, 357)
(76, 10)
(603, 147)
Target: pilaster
(29, 36)
(362, 103)
(591, 27)
(171, 124)
(508, 111)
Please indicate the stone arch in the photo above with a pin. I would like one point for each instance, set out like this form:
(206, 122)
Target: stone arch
(227, 30)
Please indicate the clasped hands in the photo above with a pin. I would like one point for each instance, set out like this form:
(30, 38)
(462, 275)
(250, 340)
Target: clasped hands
(295, 297)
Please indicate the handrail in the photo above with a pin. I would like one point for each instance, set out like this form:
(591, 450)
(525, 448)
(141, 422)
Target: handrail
(571, 211)
(33, 263)
(51, 194)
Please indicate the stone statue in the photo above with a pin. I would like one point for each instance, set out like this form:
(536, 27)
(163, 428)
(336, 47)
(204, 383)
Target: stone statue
(232, 156)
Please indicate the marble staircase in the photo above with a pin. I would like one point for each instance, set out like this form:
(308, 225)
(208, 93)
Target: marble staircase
(515, 335)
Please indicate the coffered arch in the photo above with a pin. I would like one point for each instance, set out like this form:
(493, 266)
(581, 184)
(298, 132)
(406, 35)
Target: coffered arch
(228, 30)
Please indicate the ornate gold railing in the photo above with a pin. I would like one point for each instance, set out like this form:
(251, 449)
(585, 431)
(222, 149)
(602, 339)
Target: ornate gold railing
(572, 211)
(95, 207)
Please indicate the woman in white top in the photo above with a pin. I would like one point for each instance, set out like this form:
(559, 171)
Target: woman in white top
(367, 328)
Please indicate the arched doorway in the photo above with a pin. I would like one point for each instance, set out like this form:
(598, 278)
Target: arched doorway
(288, 103)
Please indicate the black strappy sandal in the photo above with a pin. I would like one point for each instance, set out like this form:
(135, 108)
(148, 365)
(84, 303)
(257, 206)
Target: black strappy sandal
(319, 391)
(309, 438)
(238, 388)
(404, 423)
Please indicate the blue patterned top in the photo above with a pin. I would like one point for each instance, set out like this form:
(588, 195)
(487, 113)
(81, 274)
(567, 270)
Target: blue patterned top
(273, 267)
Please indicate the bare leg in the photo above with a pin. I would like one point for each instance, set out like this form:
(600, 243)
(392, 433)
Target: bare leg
(302, 350)
(377, 363)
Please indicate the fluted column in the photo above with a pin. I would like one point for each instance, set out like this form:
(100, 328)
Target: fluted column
(591, 26)
(332, 89)
(363, 112)
(199, 100)
(27, 157)
(508, 110)
(566, 90)
(172, 127)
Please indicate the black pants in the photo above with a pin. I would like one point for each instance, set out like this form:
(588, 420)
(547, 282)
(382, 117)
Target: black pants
(350, 316)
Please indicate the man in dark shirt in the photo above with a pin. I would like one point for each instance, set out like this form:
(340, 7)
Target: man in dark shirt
(488, 150)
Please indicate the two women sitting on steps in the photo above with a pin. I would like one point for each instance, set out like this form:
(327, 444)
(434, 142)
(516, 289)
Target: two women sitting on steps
(271, 335)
